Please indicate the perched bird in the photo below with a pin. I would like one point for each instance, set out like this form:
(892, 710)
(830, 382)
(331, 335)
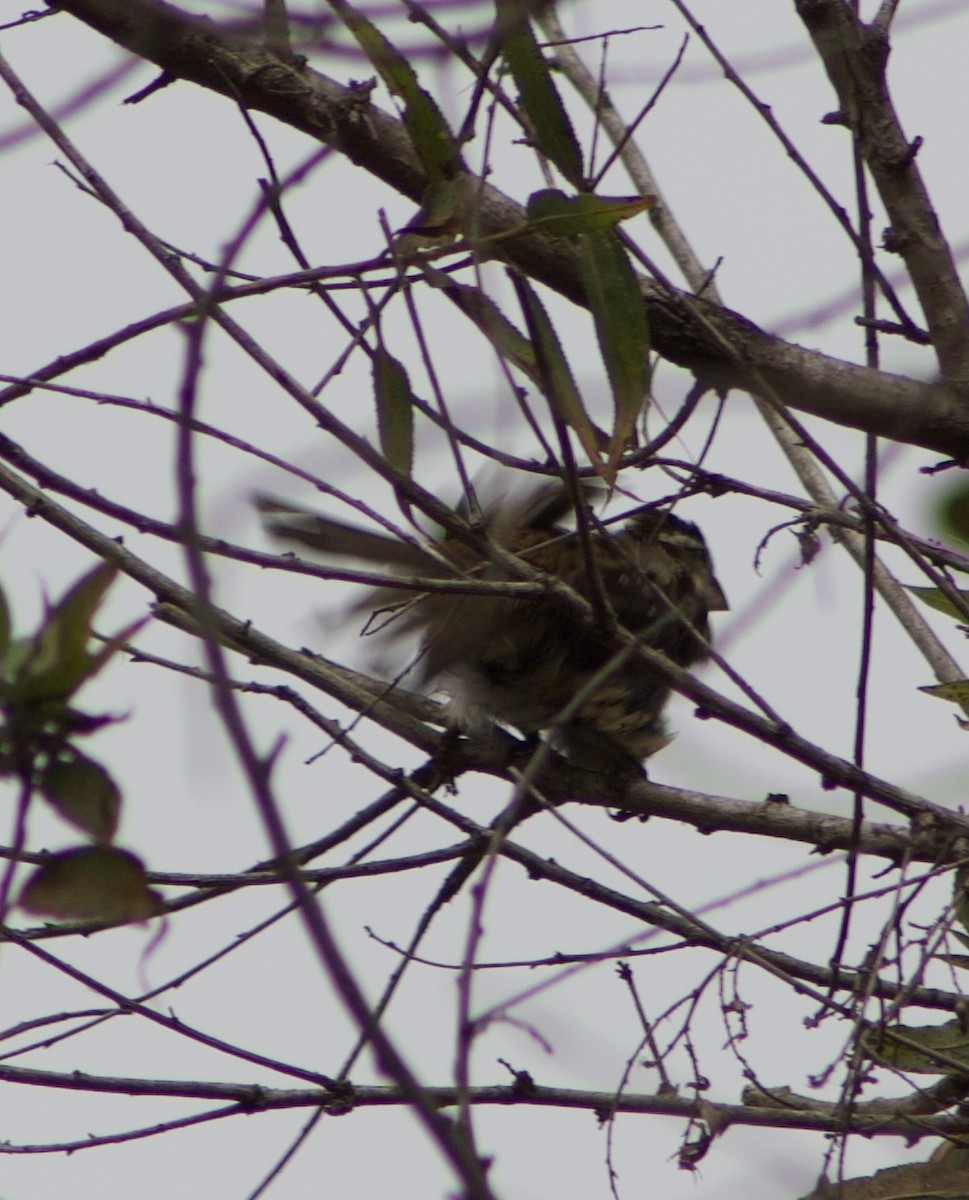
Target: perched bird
(532, 662)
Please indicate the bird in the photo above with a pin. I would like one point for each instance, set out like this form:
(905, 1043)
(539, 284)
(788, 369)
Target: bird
(533, 662)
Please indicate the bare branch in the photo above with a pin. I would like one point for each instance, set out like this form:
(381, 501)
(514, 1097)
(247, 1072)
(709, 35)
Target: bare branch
(932, 416)
(855, 56)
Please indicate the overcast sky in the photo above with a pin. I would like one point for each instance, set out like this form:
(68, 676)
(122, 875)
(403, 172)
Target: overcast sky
(186, 164)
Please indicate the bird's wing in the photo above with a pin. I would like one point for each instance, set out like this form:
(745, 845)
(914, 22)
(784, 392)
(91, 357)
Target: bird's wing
(333, 538)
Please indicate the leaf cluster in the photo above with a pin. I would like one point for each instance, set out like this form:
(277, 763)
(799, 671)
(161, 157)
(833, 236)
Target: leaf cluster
(40, 675)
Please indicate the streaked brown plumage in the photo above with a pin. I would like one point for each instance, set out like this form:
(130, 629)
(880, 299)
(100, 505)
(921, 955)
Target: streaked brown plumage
(523, 661)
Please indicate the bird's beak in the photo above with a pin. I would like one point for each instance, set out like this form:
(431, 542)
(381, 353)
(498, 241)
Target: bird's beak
(716, 600)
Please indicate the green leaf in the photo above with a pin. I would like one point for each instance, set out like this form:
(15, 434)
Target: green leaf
(951, 512)
(558, 383)
(440, 216)
(16, 654)
(619, 312)
(83, 793)
(424, 121)
(613, 294)
(949, 1039)
(73, 722)
(537, 92)
(560, 215)
(937, 599)
(956, 692)
(509, 341)
(95, 883)
(6, 625)
(960, 903)
(56, 662)
(959, 961)
(395, 411)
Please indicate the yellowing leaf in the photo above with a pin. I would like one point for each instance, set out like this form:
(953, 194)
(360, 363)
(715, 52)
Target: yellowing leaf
(83, 793)
(555, 213)
(950, 1040)
(957, 692)
(96, 883)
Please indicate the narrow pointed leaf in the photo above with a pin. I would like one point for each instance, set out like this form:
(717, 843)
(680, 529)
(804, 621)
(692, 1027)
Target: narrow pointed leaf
(619, 313)
(509, 341)
(17, 653)
(613, 294)
(558, 383)
(559, 215)
(956, 692)
(960, 903)
(395, 411)
(440, 215)
(6, 625)
(429, 131)
(950, 1039)
(937, 599)
(58, 661)
(537, 92)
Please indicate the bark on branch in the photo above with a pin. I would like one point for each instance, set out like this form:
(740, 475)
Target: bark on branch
(855, 56)
(718, 345)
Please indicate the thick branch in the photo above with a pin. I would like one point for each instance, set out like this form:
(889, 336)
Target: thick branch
(720, 346)
(855, 57)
